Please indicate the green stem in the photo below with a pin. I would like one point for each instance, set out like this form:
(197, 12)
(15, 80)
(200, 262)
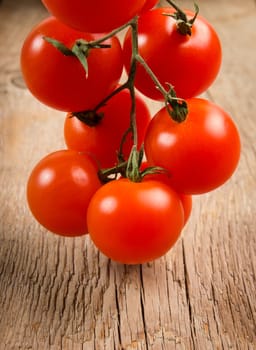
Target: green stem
(111, 34)
(136, 155)
(105, 174)
(113, 93)
(130, 86)
(120, 154)
(180, 13)
(128, 168)
(152, 75)
(178, 110)
(184, 25)
(130, 83)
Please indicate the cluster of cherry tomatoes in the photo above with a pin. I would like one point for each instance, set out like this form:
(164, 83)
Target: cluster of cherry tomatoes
(127, 178)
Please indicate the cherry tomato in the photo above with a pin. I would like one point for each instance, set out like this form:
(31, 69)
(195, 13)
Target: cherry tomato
(60, 81)
(103, 140)
(59, 190)
(149, 5)
(200, 153)
(94, 16)
(189, 63)
(135, 222)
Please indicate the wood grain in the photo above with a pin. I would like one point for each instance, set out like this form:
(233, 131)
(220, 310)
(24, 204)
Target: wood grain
(59, 293)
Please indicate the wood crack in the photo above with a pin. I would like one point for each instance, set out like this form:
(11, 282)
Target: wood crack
(186, 282)
(142, 298)
(118, 314)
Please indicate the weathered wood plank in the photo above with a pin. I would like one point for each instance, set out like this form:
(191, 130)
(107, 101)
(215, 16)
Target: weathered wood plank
(59, 293)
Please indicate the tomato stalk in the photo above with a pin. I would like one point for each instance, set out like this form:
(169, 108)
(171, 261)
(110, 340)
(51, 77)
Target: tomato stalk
(131, 78)
(110, 174)
(92, 117)
(178, 110)
(112, 33)
(184, 25)
(136, 156)
(131, 167)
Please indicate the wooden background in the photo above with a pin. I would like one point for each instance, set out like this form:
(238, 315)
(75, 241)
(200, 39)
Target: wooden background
(58, 293)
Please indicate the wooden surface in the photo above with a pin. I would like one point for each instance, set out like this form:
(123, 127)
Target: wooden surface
(58, 293)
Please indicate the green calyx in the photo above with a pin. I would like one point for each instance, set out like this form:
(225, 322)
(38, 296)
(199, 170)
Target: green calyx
(133, 171)
(176, 106)
(133, 165)
(184, 25)
(80, 49)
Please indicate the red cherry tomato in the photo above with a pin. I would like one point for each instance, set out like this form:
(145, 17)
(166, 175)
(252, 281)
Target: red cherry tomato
(59, 190)
(189, 63)
(200, 153)
(103, 140)
(60, 81)
(135, 222)
(94, 16)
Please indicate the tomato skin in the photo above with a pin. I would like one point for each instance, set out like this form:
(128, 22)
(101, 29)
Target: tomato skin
(187, 203)
(133, 222)
(200, 153)
(59, 189)
(94, 16)
(149, 5)
(60, 81)
(189, 63)
(164, 177)
(103, 140)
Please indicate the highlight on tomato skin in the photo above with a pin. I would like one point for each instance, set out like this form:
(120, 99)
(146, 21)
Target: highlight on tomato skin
(59, 190)
(135, 222)
(201, 153)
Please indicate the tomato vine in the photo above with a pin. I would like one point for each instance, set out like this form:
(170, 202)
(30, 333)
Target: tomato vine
(127, 177)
